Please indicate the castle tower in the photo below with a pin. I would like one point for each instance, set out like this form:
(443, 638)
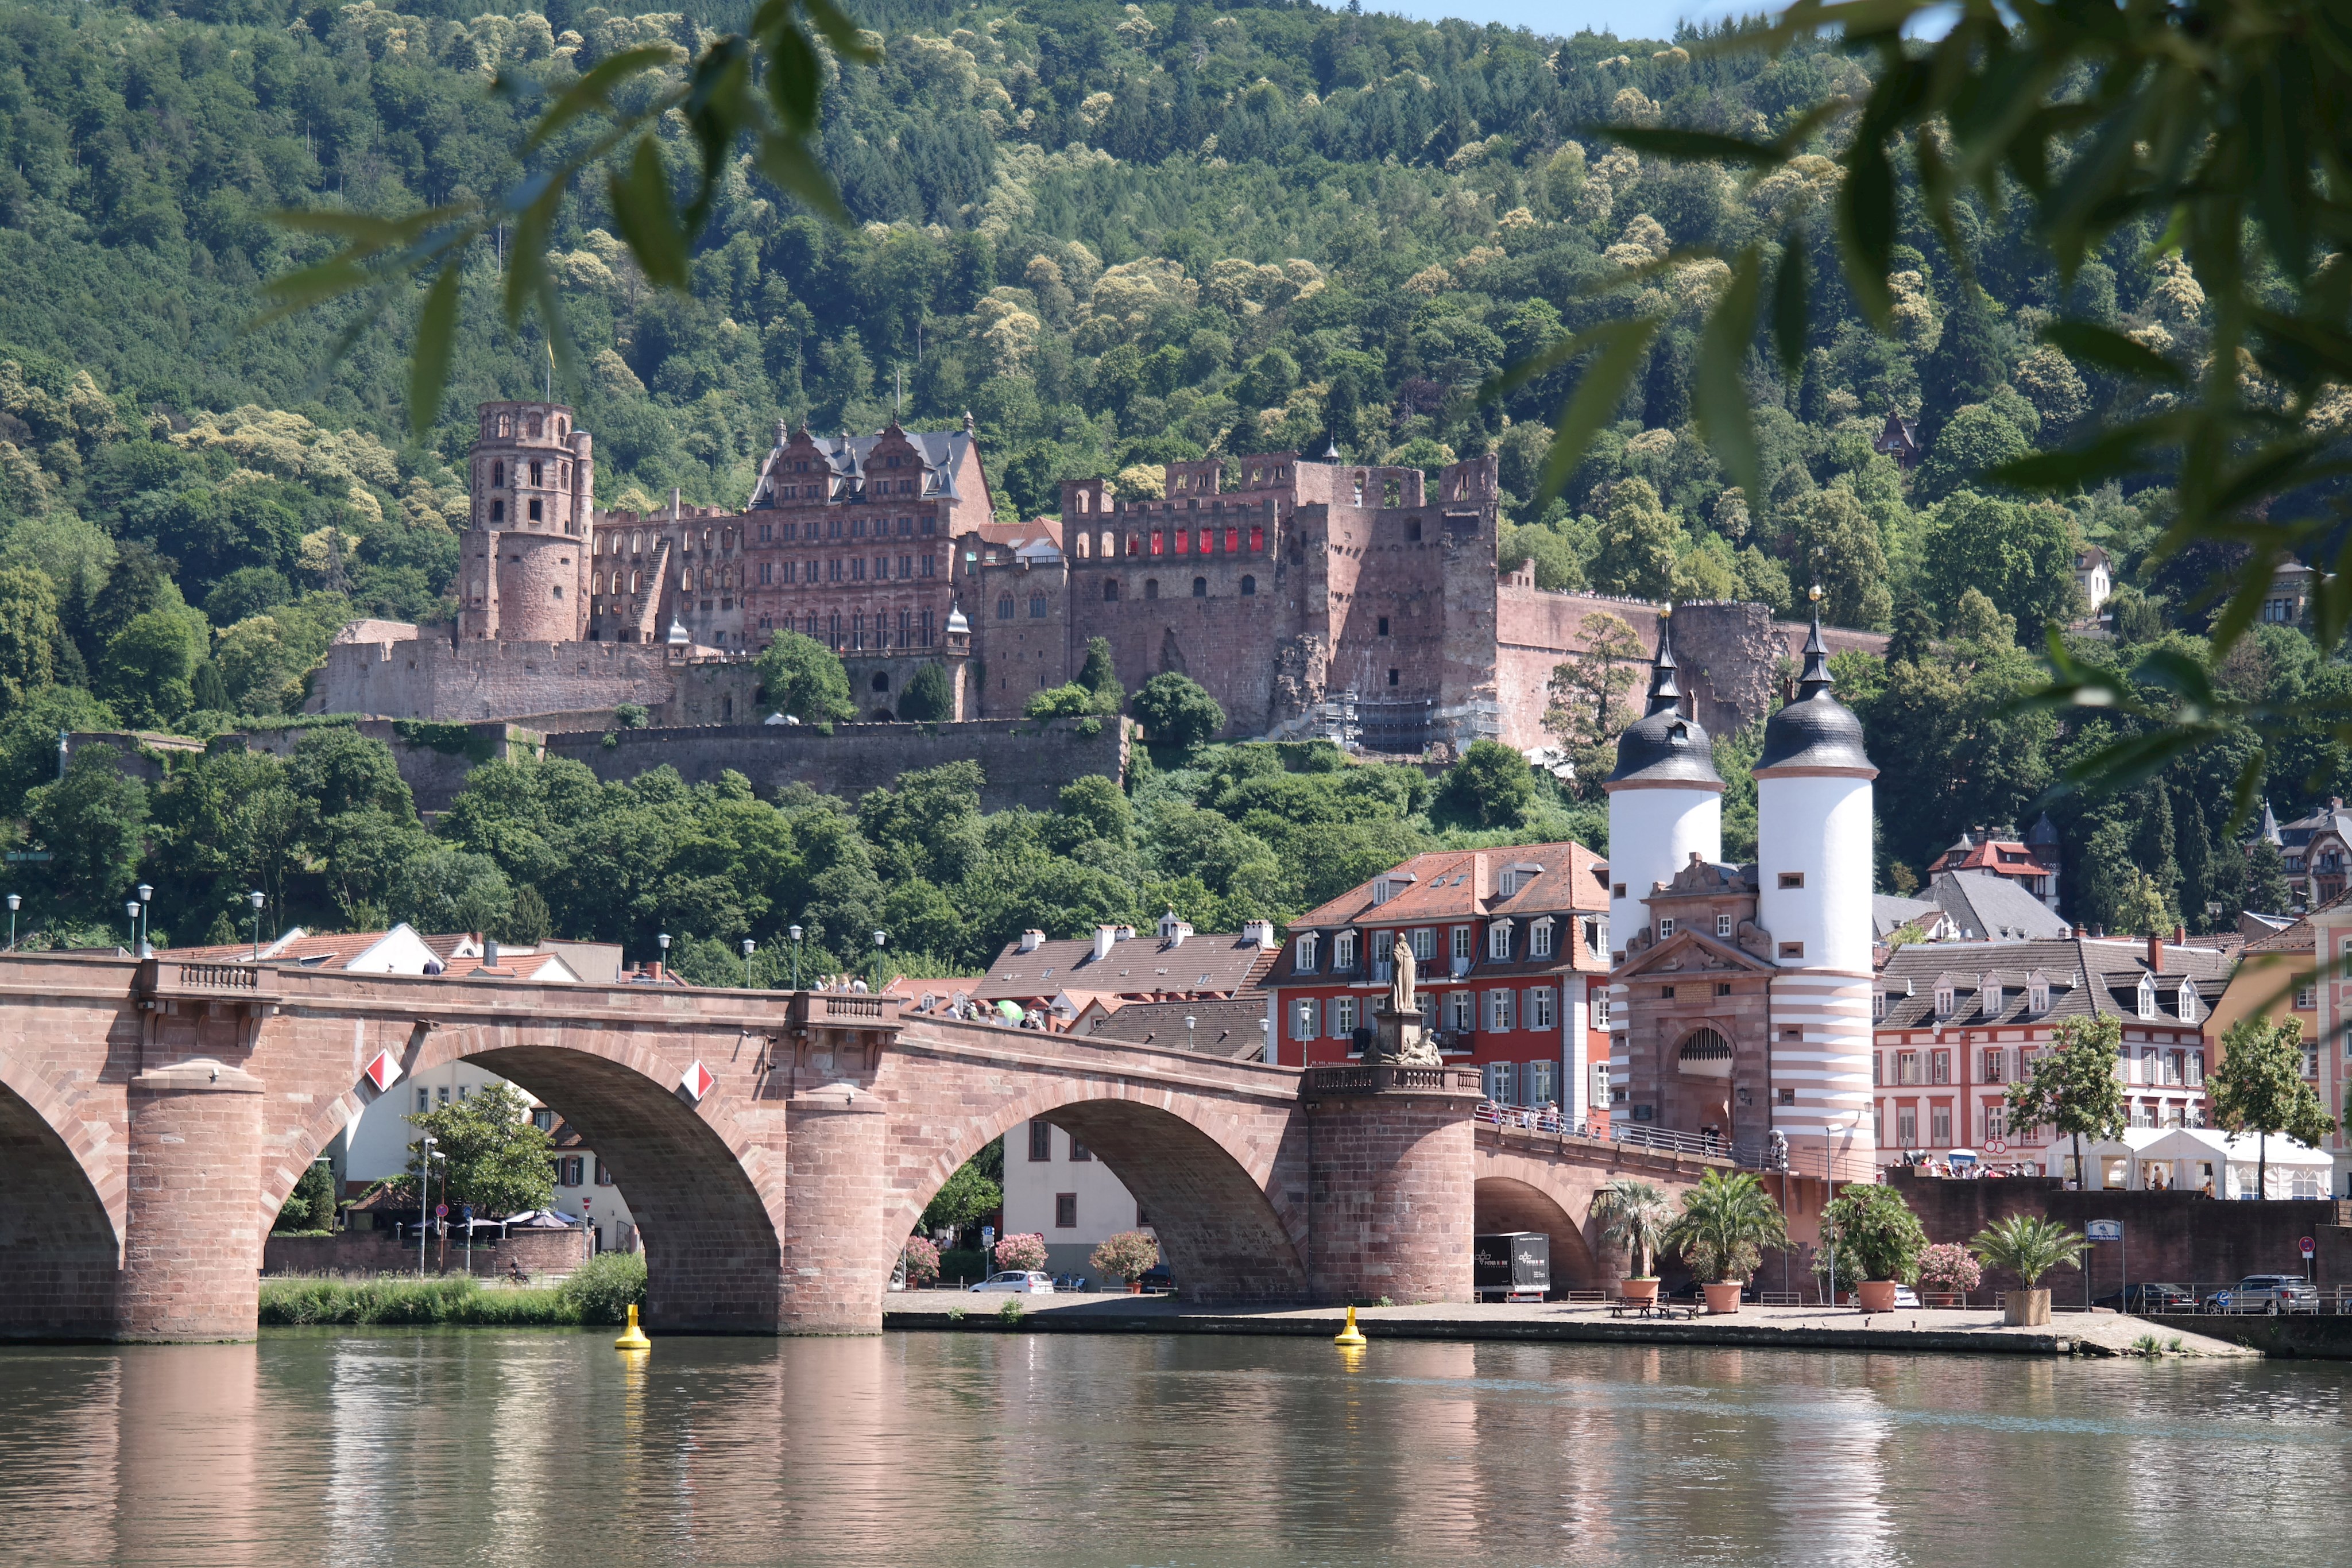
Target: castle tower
(1814, 872)
(524, 562)
(1665, 804)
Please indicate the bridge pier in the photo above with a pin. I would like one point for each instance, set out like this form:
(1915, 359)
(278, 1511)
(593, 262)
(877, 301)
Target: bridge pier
(1392, 1180)
(837, 1253)
(192, 1230)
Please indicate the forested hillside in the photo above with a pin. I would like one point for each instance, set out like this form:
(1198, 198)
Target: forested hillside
(1117, 234)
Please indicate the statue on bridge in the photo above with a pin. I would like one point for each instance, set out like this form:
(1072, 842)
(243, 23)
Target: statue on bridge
(1401, 998)
(1398, 1040)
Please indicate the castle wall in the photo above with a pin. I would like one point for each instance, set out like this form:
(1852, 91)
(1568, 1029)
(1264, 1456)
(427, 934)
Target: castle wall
(1025, 763)
(428, 676)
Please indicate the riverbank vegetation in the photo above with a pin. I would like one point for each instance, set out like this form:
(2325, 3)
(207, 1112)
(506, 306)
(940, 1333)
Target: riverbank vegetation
(600, 1292)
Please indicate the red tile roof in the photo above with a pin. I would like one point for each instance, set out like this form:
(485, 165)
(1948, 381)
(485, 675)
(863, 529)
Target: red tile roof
(1457, 884)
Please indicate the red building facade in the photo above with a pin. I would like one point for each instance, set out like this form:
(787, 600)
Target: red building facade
(1511, 953)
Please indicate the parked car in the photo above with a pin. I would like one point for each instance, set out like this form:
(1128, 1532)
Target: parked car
(2271, 1294)
(1905, 1296)
(1158, 1277)
(2150, 1298)
(1018, 1282)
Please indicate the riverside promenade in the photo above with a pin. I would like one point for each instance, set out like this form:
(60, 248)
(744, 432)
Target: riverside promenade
(1940, 1331)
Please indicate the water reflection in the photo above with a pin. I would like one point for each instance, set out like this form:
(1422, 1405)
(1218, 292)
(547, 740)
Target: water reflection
(516, 1448)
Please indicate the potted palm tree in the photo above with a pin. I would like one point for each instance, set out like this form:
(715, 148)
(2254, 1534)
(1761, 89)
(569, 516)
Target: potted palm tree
(1634, 1215)
(1726, 1223)
(2028, 1246)
(1872, 1225)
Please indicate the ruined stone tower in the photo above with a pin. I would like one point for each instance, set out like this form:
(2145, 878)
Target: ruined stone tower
(523, 572)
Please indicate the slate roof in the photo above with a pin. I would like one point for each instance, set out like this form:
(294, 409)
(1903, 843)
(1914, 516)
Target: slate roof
(1889, 913)
(1986, 904)
(1227, 1027)
(1144, 965)
(1665, 744)
(1816, 730)
(2088, 976)
(941, 452)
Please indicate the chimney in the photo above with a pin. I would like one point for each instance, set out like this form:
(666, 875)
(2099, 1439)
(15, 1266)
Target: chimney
(490, 953)
(1258, 934)
(2155, 953)
(1031, 940)
(2180, 936)
(1105, 938)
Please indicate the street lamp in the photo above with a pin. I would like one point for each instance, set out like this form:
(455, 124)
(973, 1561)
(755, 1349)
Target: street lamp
(1189, 1021)
(131, 908)
(257, 898)
(881, 938)
(663, 962)
(749, 947)
(146, 920)
(794, 932)
(13, 900)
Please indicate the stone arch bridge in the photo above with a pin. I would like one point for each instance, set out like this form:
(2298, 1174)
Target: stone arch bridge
(155, 1115)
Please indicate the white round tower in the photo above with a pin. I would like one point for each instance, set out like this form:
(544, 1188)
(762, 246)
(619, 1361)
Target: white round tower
(1814, 870)
(1665, 805)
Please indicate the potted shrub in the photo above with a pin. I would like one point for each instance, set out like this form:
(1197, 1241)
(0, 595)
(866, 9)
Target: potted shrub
(2028, 1246)
(1634, 1215)
(1726, 1223)
(922, 1258)
(1024, 1251)
(1877, 1227)
(1128, 1255)
(1948, 1272)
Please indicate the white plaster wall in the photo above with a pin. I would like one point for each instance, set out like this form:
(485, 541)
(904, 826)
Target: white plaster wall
(1820, 829)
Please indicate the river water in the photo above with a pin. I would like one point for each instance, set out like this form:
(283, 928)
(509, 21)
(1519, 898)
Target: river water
(325, 1448)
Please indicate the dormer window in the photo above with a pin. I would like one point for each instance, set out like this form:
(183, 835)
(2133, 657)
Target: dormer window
(1386, 887)
(1991, 992)
(2147, 997)
(1540, 938)
(1303, 958)
(1515, 877)
(2037, 994)
(1877, 1006)
(1343, 950)
(1665, 927)
(2187, 1007)
(1948, 1001)
(1499, 939)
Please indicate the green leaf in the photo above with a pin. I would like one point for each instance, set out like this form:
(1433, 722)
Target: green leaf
(641, 207)
(436, 333)
(593, 91)
(1788, 304)
(1617, 348)
(1866, 236)
(1720, 393)
(2111, 350)
(796, 80)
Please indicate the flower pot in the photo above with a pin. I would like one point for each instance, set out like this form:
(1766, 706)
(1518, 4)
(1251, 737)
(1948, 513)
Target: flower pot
(1946, 1299)
(1722, 1300)
(2026, 1309)
(1877, 1295)
(1639, 1291)
(1135, 1287)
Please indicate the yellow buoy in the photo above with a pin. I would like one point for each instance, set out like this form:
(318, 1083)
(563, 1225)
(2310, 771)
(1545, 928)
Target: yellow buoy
(1352, 1335)
(633, 1337)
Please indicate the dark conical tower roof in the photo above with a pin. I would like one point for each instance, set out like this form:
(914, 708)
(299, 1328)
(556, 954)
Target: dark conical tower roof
(1663, 746)
(1814, 730)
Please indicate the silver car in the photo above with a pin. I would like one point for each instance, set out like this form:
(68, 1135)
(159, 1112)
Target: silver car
(1018, 1282)
(2271, 1294)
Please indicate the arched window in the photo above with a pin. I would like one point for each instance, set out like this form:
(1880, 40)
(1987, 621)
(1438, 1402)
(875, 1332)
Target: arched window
(706, 579)
(1085, 547)
(506, 424)
(538, 426)
(1249, 587)
(1109, 544)
(595, 582)
(1110, 591)
(705, 539)
(1005, 607)
(636, 543)
(562, 429)
(636, 582)
(1706, 1054)
(1135, 544)
(1151, 588)
(881, 680)
(1200, 588)
(726, 539)
(1037, 606)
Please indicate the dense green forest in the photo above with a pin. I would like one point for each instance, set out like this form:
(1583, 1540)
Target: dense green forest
(1117, 234)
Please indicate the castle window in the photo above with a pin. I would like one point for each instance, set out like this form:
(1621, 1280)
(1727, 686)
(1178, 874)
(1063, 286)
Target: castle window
(832, 569)
(930, 566)
(1151, 588)
(1200, 588)
(497, 511)
(534, 509)
(1249, 587)
(1005, 607)
(1085, 547)
(766, 574)
(559, 591)
(1412, 530)
(1258, 537)
(497, 473)
(931, 526)
(538, 426)
(857, 568)
(1110, 591)
(1385, 626)
(636, 581)
(706, 579)
(1135, 544)
(563, 474)
(1395, 677)
(1036, 607)
(537, 475)
(562, 429)
(636, 544)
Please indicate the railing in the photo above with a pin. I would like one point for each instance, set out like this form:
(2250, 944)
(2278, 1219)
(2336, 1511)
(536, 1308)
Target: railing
(1360, 1078)
(1750, 1154)
(853, 1007)
(220, 977)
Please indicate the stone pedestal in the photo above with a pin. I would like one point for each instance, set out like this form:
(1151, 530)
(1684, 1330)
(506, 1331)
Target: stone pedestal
(837, 1258)
(193, 1232)
(1398, 1039)
(1392, 1176)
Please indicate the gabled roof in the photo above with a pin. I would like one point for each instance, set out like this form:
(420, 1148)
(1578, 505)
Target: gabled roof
(940, 451)
(1460, 884)
(1889, 913)
(1984, 904)
(399, 951)
(1220, 1027)
(2088, 976)
(1650, 961)
(1142, 966)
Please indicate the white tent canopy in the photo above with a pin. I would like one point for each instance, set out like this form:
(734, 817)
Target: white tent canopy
(2186, 1158)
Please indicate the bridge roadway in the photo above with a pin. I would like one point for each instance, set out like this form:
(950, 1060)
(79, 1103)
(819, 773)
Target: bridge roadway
(156, 1113)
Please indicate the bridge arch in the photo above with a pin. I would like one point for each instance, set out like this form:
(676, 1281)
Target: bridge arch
(1513, 1203)
(61, 1238)
(1205, 1177)
(707, 1199)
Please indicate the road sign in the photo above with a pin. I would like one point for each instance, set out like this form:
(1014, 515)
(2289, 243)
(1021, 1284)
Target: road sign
(987, 1236)
(1996, 1145)
(440, 1211)
(2104, 1230)
(696, 1081)
(2309, 1247)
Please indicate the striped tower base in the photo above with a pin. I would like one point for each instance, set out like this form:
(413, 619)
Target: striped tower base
(1829, 1126)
